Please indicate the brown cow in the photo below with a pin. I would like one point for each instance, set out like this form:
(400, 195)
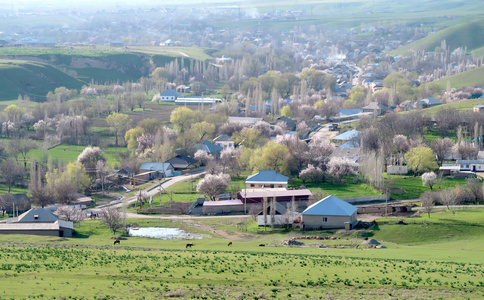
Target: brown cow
(189, 245)
(230, 244)
(117, 242)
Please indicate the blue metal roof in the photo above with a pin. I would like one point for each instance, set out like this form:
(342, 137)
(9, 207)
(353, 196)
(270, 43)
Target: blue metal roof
(208, 147)
(330, 206)
(349, 111)
(267, 176)
(170, 93)
(346, 136)
(154, 166)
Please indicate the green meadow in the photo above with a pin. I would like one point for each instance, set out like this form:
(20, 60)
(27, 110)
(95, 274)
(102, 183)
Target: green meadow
(436, 257)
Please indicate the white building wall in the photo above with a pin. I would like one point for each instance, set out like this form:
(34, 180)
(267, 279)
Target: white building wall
(317, 222)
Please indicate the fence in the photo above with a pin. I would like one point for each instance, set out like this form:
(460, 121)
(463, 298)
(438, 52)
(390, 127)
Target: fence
(366, 199)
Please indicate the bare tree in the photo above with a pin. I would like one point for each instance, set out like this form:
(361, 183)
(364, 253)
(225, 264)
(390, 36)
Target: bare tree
(111, 217)
(11, 173)
(67, 213)
(22, 146)
(449, 198)
(428, 202)
(474, 190)
(442, 148)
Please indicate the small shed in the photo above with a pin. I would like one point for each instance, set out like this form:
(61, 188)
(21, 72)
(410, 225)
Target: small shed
(330, 212)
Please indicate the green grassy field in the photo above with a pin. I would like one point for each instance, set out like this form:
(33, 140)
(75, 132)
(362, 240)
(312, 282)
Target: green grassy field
(440, 257)
(474, 77)
(464, 105)
(69, 153)
(469, 35)
(413, 186)
(31, 78)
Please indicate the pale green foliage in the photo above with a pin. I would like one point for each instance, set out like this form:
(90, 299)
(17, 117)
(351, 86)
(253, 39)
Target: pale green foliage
(420, 159)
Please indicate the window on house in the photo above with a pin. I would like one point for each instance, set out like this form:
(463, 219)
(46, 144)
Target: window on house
(325, 219)
(36, 217)
(272, 186)
(251, 185)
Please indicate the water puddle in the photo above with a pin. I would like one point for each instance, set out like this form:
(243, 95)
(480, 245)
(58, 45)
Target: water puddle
(163, 233)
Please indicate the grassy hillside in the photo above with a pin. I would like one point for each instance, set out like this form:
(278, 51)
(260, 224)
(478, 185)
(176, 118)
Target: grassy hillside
(101, 65)
(469, 34)
(32, 78)
(473, 77)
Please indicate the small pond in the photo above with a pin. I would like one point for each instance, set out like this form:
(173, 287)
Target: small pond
(163, 233)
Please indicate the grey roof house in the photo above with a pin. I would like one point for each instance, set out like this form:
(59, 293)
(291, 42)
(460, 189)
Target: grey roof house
(37, 221)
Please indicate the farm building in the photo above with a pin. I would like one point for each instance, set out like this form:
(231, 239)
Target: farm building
(256, 196)
(37, 221)
(478, 108)
(181, 162)
(223, 207)
(330, 212)
(162, 169)
(197, 101)
(282, 216)
(266, 179)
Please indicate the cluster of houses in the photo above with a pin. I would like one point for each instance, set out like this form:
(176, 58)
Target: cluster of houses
(293, 207)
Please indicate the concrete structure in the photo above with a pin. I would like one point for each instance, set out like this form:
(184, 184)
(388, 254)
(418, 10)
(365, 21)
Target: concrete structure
(283, 196)
(397, 170)
(244, 120)
(266, 179)
(223, 207)
(197, 101)
(330, 212)
(37, 221)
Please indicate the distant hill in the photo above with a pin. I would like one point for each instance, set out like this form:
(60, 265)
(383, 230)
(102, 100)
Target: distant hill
(34, 79)
(469, 34)
(83, 65)
(474, 77)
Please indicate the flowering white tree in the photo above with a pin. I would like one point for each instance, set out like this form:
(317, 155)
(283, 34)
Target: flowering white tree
(213, 185)
(429, 179)
(314, 174)
(203, 157)
(89, 157)
(340, 167)
(229, 159)
(156, 98)
(144, 141)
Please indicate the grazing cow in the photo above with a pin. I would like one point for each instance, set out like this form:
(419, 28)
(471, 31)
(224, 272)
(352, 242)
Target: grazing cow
(230, 244)
(189, 245)
(262, 245)
(117, 242)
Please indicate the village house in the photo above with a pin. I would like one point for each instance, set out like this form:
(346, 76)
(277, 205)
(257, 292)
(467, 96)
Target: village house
(266, 179)
(208, 147)
(37, 221)
(181, 162)
(352, 135)
(330, 212)
(224, 141)
(169, 95)
(428, 102)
